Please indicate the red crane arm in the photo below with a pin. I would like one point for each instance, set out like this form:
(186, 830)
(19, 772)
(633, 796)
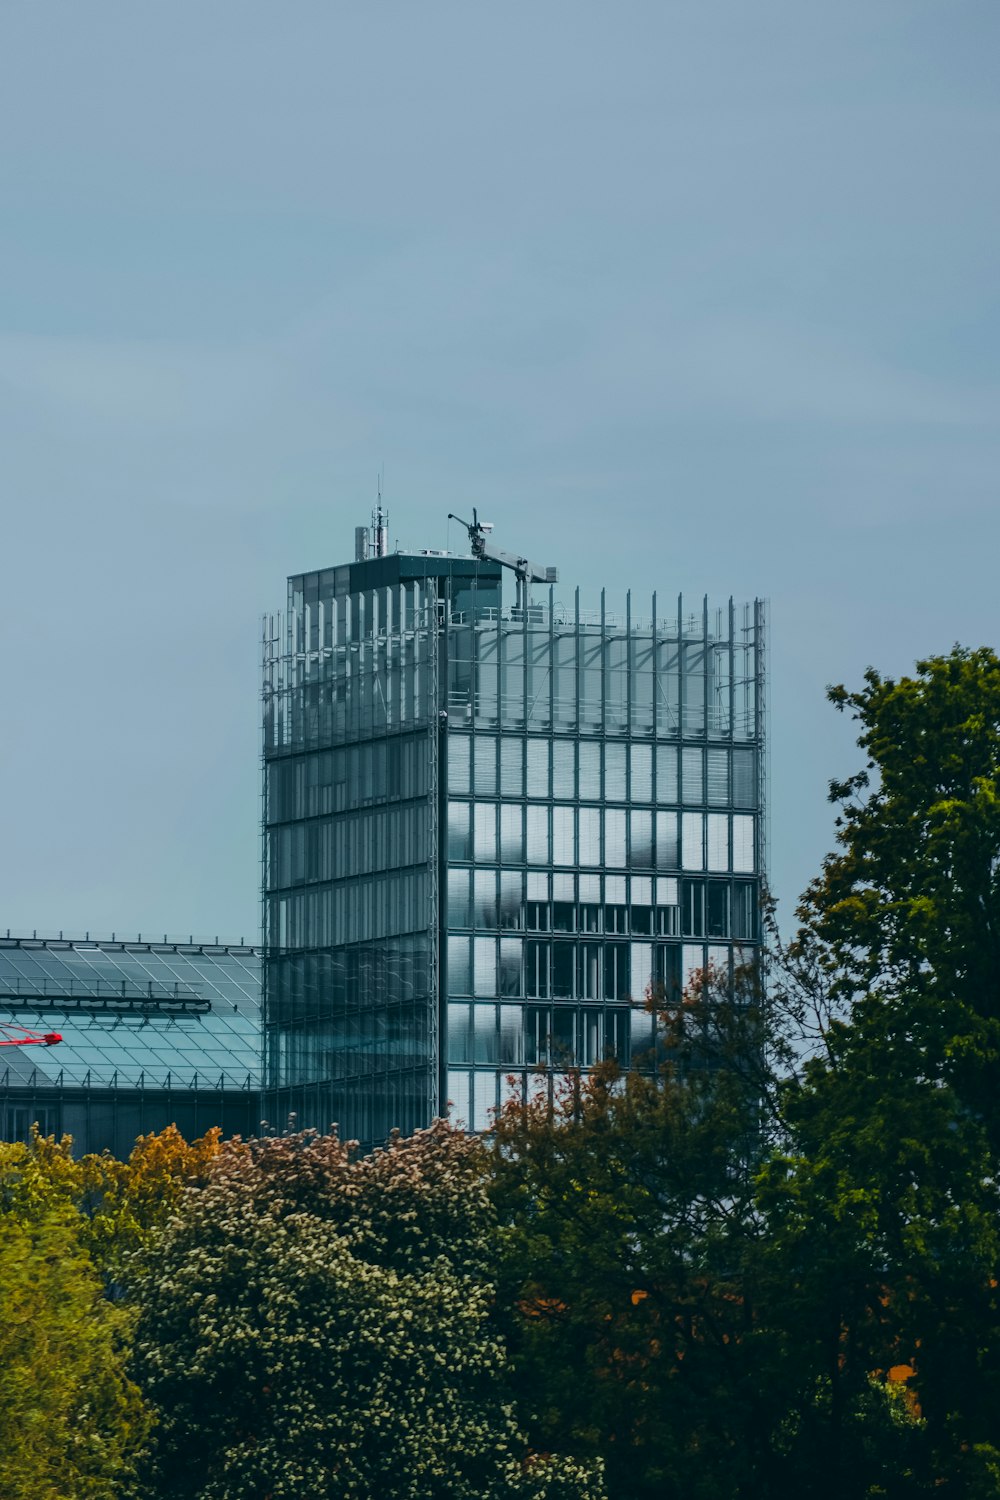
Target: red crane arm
(27, 1038)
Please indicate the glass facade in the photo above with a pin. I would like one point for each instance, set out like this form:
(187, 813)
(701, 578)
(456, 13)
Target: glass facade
(153, 1034)
(490, 832)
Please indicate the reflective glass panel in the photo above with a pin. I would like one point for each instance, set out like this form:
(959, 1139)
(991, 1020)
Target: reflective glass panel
(590, 835)
(511, 766)
(615, 786)
(743, 851)
(641, 773)
(459, 831)
(459, 749)
(485, 819)
(614, 838)
(564, 769)
(692, 851)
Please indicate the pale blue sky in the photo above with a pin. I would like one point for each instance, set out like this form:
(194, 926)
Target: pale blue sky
(698, 295)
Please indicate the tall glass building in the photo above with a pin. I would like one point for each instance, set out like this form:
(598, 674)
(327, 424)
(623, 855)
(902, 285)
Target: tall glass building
(493, 820)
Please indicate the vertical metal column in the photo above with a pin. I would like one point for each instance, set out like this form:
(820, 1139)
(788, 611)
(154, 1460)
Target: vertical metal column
(760, 737)
(435, 629)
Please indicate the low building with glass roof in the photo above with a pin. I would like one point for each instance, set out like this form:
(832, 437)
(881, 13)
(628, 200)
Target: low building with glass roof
(153, 1033)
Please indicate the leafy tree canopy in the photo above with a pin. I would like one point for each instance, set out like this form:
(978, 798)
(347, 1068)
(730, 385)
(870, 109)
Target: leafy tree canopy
(310, 1324)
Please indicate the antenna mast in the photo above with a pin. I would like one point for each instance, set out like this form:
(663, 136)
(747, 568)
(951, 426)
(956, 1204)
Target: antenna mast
(380, 526)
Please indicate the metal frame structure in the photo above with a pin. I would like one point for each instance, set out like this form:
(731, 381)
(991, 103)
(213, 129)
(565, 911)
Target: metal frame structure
(153, 1033)
(413, 658)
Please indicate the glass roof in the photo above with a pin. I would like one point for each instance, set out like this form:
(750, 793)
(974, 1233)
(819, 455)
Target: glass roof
(134, 1015)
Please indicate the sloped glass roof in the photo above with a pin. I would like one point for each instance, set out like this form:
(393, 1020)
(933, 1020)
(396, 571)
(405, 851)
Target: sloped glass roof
(131, 1015)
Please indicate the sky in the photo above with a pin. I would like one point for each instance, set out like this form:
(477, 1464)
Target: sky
(693, 295)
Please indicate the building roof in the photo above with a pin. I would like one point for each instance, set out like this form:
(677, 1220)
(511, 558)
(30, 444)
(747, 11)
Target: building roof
(132, 1014)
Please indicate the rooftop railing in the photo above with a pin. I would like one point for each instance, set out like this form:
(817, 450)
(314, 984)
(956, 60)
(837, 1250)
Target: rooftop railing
(101, 994)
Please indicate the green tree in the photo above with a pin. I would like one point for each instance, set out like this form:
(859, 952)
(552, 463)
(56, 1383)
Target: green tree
(311, 1324)
(71, 1422)
(119, 1203)
(883, 1211)
(630, 1232)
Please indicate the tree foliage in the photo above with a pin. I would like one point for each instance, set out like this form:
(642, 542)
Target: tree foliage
(71, 1421)
(884, 1209)
(629, 1229)
(806, 1304)
(311, 1324)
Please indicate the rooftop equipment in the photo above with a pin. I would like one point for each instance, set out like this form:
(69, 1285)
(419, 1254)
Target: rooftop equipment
(525, 571)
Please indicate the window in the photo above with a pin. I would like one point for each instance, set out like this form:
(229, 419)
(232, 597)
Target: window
(511, 833)
(538, 835)
(484, 977)
(485, 898)
(459, 899)
(563, 841)
(591, 1038)
(615, 788)
(589, 971)
(562, 970)
(590, 771)
(511, 767)
(693, 907)
(668, 921)
(641, 838)
(718, 909)
(718, 777)
(666, 841)
(667, 972)
(718, 842)
(693, 785)
(642, 970)
(616, 1036)
(744, 910)
(641, 773)
(510, 898)
(538, 768)
(614, 838)
(590, 835)
(485, 756)
(459, 831)
(692, 851)
(536, 969)
(563, 916)
(564, 769)
(537, 1025)
(511, 1034)
(459, 966)
(666, 773)
(459, 1041)
(458, 763)
(485, 820)
(616, 971)
(743, 851)
(510, 966)
(744, 778)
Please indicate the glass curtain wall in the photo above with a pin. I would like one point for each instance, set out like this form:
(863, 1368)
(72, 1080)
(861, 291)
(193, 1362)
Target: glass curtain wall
(490, 833)
(350, 881)
(604, 831)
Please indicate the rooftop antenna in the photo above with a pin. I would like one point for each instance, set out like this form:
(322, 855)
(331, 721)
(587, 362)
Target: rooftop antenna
(525, 571)
(380, 526)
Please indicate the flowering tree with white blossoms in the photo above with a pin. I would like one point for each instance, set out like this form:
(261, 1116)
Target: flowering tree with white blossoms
(313, 1325)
